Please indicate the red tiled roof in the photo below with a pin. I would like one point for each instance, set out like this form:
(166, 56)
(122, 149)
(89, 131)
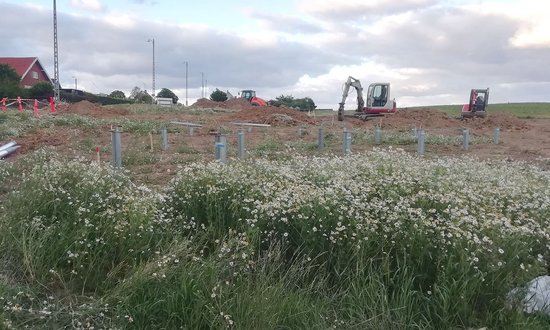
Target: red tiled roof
(20, 64)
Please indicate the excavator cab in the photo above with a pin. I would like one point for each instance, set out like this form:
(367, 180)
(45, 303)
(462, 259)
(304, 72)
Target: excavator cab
(477, 106)
(378, 99)
(248, 94)
(251, 97)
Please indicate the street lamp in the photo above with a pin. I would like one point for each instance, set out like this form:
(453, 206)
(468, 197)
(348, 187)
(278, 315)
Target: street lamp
(75, 86)
(186, 73)
(152, 40)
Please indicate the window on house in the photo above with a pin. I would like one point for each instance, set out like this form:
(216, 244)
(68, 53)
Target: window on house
(34, 75)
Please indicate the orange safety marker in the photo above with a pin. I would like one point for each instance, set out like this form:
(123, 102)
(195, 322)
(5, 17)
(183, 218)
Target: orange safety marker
(97, 153)
(35, 108)
(3, 104)
(20, 106)
(52, 104)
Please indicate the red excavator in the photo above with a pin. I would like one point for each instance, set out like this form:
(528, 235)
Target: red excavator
(251, 97)
(477, 107)
(378, 100)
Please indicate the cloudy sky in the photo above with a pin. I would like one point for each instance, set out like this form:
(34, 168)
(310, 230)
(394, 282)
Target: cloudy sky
(431, 51)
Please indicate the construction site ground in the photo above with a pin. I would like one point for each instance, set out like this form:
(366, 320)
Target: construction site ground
(290, 132)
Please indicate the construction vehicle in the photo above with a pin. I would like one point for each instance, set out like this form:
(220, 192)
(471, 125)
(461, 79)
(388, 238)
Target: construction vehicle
(477, 107)
(251, 97)
(378, 100)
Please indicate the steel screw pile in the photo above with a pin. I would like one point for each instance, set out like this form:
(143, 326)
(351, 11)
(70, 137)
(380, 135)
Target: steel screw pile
(421, 139)
(116, 147)
(221, 148)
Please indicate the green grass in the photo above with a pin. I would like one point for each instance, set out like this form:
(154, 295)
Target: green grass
(520, 110)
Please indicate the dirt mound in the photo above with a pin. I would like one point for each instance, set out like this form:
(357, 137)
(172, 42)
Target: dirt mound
(206, 103)
(87, 108)
(502, 120)
(274, 116)
(234, 103)
(425, 117)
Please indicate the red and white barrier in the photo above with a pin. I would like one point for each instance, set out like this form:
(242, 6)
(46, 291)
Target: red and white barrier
(24, 103)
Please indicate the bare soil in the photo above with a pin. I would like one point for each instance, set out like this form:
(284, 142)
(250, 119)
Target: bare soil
(520, 139)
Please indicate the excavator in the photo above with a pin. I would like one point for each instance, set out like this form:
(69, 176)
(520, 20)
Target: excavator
(477, 107)
(378, 100)
(251, 97)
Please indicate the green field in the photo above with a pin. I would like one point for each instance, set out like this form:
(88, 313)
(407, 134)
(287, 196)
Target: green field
(520, 110)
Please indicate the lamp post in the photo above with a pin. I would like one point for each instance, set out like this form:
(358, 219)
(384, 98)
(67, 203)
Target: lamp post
(186, 74)
(152, 40)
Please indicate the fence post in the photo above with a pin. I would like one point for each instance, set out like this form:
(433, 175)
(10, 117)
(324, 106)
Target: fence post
(496, 137)
(421, 137)
(116, 146)
(321, 139)
(164, 138)
(466, 138)
(240, 142)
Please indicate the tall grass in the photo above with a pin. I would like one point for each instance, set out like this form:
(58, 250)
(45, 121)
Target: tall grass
(382, 240)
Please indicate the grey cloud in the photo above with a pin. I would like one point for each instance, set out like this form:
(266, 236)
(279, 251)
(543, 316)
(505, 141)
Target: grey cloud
(100, 50)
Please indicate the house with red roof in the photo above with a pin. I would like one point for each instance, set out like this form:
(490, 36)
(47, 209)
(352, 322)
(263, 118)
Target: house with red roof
(29, 69)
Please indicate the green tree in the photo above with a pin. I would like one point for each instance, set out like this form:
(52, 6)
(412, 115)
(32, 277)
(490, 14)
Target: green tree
(41, 90)
(117, 94)
(218, 95)
(9, 82)
(303, 104)
(165, 92)
(140, 96)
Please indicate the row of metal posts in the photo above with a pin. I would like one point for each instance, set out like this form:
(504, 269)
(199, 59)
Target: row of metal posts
(220, 142)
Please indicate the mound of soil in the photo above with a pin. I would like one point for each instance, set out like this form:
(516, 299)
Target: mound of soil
(425, 117)
(274, 116)
(87, 108)
(234, 103)
(502, 120)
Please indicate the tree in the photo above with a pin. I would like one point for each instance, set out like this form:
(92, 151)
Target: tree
(218, 96)
(140, 96)
(143, 97)
(135, 92)
(9, 82)
(303, 104)
(117, 94)
(41, 90)
(165, 92)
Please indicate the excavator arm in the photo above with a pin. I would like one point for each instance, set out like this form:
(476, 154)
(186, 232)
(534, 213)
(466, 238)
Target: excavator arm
(351, 82)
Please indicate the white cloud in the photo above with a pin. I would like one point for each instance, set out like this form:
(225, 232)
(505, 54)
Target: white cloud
(91, 5)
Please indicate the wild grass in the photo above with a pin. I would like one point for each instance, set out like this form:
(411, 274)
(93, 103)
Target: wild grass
(382, 240)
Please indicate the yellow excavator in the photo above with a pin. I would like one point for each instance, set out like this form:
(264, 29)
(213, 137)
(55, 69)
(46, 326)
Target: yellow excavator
(378, 100)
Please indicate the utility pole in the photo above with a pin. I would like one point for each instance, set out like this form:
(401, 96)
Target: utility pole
(75, 85)
(186, 74)
(152, 40)
(55, 54)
